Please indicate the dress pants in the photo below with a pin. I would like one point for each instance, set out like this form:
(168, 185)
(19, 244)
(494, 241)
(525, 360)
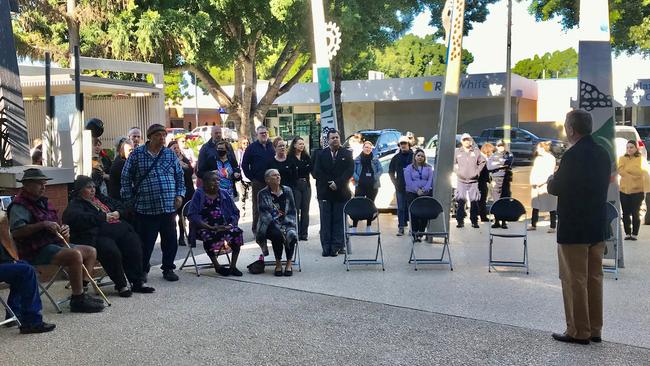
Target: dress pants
(581, 274)
(148, 228)
(279, 243)
(119, 250)
(302, 196)
(24, 298)
(256, 187)
(631, 206)
(331, 229)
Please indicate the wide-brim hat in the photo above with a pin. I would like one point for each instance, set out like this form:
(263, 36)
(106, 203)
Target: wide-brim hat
(33, 174)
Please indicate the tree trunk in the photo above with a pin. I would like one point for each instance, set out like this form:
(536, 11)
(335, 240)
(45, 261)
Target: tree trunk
(73, 25)
(236, 113)
(337, 99)
(250, 83)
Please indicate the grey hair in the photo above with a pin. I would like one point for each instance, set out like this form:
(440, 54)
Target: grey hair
(260, 127)
(215, 127)
(268, 173)
(580, 121)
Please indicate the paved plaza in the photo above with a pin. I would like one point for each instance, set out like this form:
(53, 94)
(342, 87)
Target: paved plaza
(327, 316)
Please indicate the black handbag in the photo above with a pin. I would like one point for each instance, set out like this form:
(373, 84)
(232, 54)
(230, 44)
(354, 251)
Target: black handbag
(256, 267)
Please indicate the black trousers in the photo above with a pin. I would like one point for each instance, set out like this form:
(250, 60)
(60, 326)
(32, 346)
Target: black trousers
(631, 205)
(119, 250)
(418, 225)
(482, 203)
(368, 192)
(274, 234)
(535, 218)
(302, 196)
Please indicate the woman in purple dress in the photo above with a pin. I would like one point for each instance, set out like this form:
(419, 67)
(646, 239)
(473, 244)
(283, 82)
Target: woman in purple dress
(213, 220)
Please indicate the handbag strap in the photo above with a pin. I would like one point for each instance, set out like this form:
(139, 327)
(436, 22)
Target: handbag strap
(155, 161)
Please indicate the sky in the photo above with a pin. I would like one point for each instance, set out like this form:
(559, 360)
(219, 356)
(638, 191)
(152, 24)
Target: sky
(487, 41)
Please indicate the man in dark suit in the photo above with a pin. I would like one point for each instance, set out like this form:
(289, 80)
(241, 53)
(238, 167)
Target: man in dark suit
(333, 171)
(581, 185)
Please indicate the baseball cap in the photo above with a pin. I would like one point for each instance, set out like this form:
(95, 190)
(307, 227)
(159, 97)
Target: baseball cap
(465, 136)
(403, 139)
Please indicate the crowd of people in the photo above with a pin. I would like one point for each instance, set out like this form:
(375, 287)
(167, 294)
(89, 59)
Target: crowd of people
(115, 215)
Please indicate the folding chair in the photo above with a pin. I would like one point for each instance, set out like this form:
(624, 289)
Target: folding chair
(361, 208)
(12, 318)
(509, 210)
(613, 237)
(185, 223)
(428, 208)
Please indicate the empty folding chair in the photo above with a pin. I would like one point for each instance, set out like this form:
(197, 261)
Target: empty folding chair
(509, 210)
(612, 238)
(361, 208)
(427, 209)
(185, 223)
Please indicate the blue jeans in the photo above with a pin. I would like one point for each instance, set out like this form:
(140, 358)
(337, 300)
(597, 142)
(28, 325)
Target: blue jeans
(402, 209)
(331, 226)
(24, 298)
(148, 227)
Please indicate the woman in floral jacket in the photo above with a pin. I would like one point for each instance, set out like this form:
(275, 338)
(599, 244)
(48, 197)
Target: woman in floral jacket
(277, 221)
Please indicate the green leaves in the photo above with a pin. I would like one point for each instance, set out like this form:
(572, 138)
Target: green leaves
(559, 64)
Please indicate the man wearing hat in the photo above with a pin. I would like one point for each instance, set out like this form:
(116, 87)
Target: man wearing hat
(152, 181)
(468, 162)
(396, 173)
(37, 231)
(500, 166)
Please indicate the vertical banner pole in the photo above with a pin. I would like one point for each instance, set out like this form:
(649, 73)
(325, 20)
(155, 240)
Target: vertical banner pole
(449, 106)
(507, 110)
(326, 91)
(595, 89)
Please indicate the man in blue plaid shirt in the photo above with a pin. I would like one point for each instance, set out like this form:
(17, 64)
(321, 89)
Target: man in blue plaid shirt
(152, 179)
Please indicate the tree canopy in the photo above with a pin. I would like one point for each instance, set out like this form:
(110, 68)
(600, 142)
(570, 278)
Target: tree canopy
(629, 20)
(559, 64)
(413, 56)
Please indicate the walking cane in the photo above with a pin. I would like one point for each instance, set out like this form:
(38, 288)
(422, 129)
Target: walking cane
(95, 286)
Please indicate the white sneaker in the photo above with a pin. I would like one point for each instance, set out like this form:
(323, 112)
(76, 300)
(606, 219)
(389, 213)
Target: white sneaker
(352, 229)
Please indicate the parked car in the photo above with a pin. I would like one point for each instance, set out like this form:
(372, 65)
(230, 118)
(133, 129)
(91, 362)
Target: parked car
(644, 133)
(385, 141)
(173, 132)
(205, 133)
(522, 143)
(623, 134)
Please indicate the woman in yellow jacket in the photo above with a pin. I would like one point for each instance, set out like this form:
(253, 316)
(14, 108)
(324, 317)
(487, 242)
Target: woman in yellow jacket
(633, 172)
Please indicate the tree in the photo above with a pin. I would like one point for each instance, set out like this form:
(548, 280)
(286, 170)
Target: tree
(629, 20)
(412, 56)
(475, 12)
(199, 36)
(559, 64)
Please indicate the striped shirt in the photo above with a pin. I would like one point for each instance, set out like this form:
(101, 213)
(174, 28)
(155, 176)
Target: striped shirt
(156, 194)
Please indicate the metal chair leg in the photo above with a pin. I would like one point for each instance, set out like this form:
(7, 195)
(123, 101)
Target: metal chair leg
(12, 318)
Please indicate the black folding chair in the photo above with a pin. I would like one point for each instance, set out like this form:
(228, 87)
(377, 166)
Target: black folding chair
(361, 208)
(509, 210)
(428, 208)
(612, 237)
(191, 245)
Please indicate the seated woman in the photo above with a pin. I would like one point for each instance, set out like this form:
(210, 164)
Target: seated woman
(419, 178)
(94, 219)
(213, 219)
(277, 221)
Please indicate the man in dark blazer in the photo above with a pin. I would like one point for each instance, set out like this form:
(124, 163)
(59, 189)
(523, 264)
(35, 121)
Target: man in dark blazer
(333, 169)
(581, 185)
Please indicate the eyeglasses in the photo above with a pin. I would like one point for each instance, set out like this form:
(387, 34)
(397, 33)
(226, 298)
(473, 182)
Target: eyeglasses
(403, 143)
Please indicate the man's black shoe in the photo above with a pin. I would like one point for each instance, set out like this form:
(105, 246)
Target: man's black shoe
(504, 226)
(460, 225)
(496, 225)
(568, 339)
(125, 292)
(485, 219)
(303, 238)
(475, 225)
(325, 254)
(142, 289)
(596, 339)
(181, 242)
(169, 275)
(43, 327)
(93, 299)
(333, 254)
(224, 271)
(81, 304)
